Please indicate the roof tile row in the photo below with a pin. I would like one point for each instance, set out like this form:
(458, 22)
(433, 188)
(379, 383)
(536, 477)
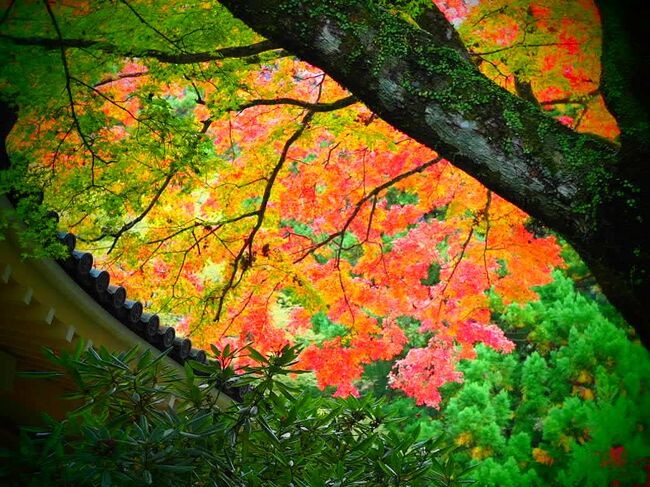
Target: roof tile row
(113, 298)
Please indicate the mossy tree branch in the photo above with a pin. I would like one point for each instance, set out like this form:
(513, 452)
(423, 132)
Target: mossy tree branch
(422, 85)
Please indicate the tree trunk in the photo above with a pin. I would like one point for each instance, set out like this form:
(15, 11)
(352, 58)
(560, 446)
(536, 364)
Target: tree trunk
(592, 192)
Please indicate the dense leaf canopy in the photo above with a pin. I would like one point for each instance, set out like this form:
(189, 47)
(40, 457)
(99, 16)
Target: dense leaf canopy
(250, 198)
(286, 173)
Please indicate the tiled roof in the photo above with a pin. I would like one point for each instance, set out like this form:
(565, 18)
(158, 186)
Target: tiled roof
(113, 298)
(130, 313)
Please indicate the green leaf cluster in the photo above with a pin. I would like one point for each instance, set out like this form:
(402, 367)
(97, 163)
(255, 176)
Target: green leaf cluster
(141, 423)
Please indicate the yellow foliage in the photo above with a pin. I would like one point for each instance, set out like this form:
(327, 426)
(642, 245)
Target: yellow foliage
(479, 453)
(464, 438)
(584, 392)
(585, 377)
(565, 442)
(587, 394)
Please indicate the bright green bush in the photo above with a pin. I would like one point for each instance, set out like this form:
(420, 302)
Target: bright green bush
(569, 407)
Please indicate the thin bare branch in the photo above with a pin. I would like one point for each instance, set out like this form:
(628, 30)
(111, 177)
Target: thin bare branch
(371, 195)
(249, 51)
(314, 107)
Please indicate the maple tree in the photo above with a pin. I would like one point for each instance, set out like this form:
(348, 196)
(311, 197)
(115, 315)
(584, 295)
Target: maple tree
(251, 198)
(422, 81)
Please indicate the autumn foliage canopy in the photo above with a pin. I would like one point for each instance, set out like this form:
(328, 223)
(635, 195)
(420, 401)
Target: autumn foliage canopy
(250, 199)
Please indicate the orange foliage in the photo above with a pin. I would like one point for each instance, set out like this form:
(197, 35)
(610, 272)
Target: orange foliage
(542, 456)
(360, 223)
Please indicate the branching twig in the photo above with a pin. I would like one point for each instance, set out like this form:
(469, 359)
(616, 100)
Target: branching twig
(314, 107)
(119, 76)
(345, 294)
(486, 216)
(245, 256)
(456, 264)
(68, 89)
(108, 99)
(522, 46)
(128, 226)
(235, 316)
(580, 100)
(214, 226)
(372, 194)
(329, 153)
(151, 27)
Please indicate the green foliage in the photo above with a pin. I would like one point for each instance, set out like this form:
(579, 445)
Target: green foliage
(34, 225)
(549, 414)
(560, 410)
(395, 196)
(411, 8)
(126, 433)
(411, 327)
(433, 275)
(46, 83)
(326, 327)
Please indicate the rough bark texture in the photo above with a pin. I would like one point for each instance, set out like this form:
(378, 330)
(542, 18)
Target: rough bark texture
(590, 191)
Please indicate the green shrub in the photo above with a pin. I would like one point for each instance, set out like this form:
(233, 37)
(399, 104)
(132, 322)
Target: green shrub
(126, 433)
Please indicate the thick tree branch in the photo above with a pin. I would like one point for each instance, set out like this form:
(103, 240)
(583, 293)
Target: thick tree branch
(421, 84)
(162, 56)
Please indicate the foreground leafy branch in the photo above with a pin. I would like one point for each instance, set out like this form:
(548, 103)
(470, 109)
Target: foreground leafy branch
(126, 432)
